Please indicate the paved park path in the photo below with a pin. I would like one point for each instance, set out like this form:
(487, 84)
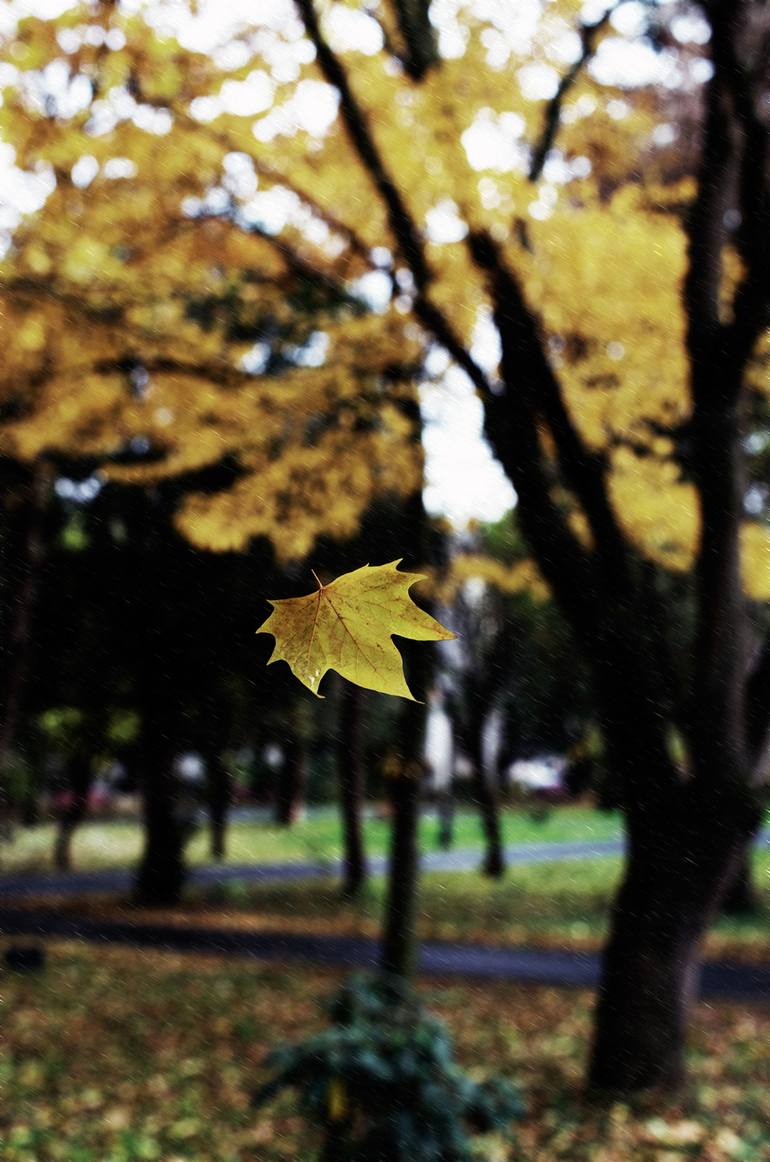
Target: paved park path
(517, 855)
(476, 962)
(542, 966)
(79, 883)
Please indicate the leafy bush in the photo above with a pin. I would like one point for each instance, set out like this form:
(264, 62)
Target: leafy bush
(382, 1083)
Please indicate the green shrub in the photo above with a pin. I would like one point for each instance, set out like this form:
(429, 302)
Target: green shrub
(382, 1084)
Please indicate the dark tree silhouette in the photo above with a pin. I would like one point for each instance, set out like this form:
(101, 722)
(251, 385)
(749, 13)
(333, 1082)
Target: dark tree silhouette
(687, 827)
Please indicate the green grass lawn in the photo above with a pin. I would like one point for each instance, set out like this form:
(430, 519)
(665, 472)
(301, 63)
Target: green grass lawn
(118, 844)
(564, 904)
(560, 904)
(115, 1055)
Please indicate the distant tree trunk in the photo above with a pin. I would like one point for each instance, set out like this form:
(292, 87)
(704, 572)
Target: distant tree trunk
(72, 815)
(350, 770)
(445, 805)
(69, 820)
(486, 792)
(292, 784)
(18, 650)
(219, 793)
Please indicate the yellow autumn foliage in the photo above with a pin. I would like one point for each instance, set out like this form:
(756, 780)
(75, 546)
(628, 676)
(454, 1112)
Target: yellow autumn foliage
(519, 577)
(189, 188)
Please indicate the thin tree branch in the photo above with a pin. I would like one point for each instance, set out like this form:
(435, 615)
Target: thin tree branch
(420, 51)
(589, 34)
(596, 590)
(401, 221)
(356, 243)
(403, 226)
(218, 372)
(511, 428)
(534, 379)
(436, 322)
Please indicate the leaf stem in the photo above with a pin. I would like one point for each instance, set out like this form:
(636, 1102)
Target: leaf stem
(318, 582)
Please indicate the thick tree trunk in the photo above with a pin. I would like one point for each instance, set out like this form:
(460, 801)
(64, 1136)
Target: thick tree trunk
(680, 861)
(675, 875)
(350, 772)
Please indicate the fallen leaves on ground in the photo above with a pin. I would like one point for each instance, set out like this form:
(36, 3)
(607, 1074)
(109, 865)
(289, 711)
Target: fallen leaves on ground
(115, 1055)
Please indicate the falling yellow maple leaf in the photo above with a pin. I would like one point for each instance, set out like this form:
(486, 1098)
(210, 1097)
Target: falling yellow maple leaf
(347, 626)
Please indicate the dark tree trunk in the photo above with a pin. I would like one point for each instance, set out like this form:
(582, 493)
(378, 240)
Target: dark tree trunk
(17, 654)
(161, 873)
(399, 945)
(167, 817)
(445, 809)
(30, 809)
(292, 784)
(350, 771)
(73, 814)
(741, 898)
(398, 954)
(336, 1144)
(678, 866)
(218, 801)
(69, 821)
(486, 793)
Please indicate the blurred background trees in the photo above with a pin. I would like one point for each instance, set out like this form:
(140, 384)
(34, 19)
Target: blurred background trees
(244, 265)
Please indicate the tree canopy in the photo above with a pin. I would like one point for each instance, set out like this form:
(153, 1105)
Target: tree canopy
(197, 200)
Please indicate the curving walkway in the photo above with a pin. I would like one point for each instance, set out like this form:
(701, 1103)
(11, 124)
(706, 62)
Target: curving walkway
(517, 855)
(80, 883)
(480, 962)
(542, 966)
